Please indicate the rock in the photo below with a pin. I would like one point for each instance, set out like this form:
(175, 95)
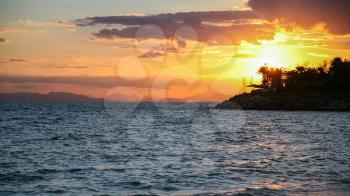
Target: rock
(289, 100)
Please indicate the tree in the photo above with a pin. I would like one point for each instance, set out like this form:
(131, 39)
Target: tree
(264, 71)
(271, 77)
(336, 77)
(340, 72)
(276, 78)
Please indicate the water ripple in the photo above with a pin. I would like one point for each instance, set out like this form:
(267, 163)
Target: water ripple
(81, 149)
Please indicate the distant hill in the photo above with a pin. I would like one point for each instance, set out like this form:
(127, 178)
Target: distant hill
(50, 97)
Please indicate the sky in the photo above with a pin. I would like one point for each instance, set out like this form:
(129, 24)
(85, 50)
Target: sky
(193, 50)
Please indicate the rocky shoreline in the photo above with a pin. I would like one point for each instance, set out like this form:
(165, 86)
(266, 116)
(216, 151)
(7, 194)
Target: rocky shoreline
(289, 100)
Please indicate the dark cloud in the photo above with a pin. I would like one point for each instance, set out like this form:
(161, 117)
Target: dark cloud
(181, 43)
(306, 13)
(201, 26)
(2, 40)
(128, 32)
(26, 86)
(170, 49)
(65, 23)
(188, 18)
(151, 54)
(162, 50)
(17, 60)
(234, 25)
(98, 81)
(233, 33)
(71, 67)
(12, 61)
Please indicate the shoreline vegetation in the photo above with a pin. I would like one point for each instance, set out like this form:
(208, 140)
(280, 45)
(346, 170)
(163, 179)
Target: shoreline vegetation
(322, 88)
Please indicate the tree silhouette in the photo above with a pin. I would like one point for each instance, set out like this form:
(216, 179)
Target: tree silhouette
(340, 72)
(336, 77)
(271, 77)
(264, 71)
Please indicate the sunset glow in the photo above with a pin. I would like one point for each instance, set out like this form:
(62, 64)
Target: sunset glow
(90, 55)
(184, 97)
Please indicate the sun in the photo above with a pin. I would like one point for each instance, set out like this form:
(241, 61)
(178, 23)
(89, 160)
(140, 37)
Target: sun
(272, 53)
(275, 52)
(267, 55)
(272, 56)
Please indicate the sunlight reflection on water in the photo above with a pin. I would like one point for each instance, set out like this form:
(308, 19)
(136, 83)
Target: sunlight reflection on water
(80, 148)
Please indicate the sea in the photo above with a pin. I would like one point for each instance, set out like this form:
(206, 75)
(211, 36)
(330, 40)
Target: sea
(171, 149)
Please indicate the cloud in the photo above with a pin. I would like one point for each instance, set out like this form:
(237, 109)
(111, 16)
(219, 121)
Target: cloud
(181, 43)
(236, 25)
(7, 31)
(71, 67)
(31, 87)
(194, 26)
(30, 22)
(188, 18)
(3, 41)
(151, 54)
(65, 23)
(96, 81)
(60, 23)
(243, 56)
(233, 34)
(320, 55)
(17, 60)
(306, 13)
(128, 32)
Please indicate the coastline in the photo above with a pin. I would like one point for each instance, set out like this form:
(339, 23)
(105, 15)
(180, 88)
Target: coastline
(289, 101)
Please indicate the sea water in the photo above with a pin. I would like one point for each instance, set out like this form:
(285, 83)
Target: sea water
(182, 149)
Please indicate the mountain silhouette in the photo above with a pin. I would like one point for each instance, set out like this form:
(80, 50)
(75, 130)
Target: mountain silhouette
(50, 97)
